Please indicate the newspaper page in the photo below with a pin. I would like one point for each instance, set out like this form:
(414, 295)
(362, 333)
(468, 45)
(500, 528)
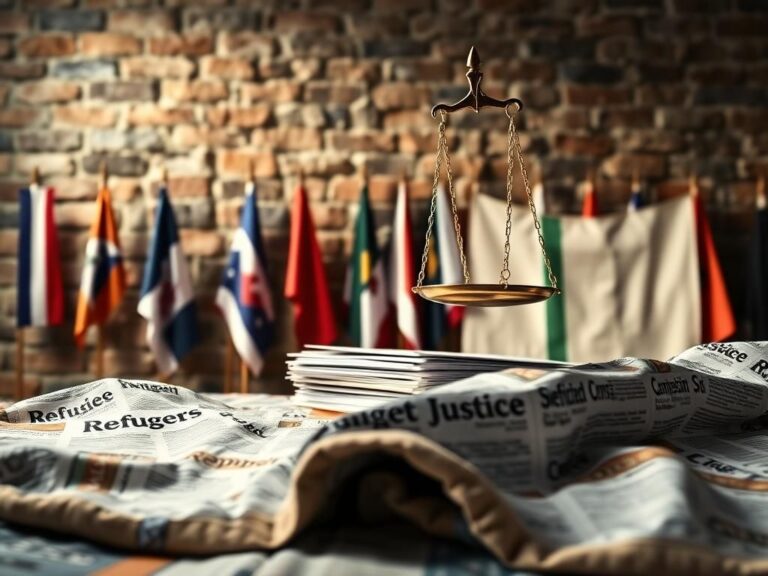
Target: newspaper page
(624, 467)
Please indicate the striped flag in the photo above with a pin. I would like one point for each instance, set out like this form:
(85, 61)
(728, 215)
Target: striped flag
(625, 291)
(443, 267)
(401, 272)
(365, 289)
(167, 298)
(244, 297)
(40, 299)
(103, 280)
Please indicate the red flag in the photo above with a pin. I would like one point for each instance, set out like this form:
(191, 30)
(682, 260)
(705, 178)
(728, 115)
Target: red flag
(305, 283)
(589, 207)
(717, 321)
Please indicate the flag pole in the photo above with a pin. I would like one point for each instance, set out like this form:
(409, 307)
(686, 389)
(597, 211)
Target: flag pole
(20, 345)
(760, 200)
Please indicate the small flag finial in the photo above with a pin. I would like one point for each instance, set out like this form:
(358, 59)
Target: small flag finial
(36, 176)
(403, 176)
(164, 177)
(301, 176)
(761, 200)
(364, 173)
(251, 170)
(693, 184)
(635, 178)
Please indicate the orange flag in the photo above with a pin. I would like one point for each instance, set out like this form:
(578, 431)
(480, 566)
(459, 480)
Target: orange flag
(717, 321)
(305, 283)
(589, 208)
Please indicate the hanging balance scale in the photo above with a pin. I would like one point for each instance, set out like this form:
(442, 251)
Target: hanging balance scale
(468, 294)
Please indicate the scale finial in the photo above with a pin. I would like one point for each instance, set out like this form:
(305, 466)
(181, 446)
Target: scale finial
(473, 58)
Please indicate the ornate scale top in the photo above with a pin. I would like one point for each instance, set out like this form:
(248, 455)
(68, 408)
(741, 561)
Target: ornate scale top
(468, 294)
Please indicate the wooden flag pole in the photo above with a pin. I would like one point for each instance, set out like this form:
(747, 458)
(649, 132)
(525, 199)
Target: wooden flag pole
(760, 199)
(244, 377)
(99, 369)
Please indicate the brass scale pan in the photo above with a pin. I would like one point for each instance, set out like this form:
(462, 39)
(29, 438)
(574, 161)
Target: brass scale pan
(485, 295)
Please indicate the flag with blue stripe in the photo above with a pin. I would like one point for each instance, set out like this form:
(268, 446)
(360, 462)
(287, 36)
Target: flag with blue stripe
(244, 297)
(167, 298)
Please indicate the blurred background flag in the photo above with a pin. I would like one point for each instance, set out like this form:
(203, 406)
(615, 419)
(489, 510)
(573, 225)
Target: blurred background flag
(167, 298)
(103, 279)
(539, 198)
(244, 297)
(40, 298)
(402, 272)
(365, 288)
(718, 321)
(443, 267)
(630, 283)
(589, 207)
(306, 286)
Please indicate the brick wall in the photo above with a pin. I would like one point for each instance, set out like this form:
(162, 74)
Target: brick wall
(201, 87)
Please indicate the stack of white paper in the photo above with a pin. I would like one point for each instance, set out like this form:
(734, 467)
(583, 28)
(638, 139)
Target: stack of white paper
(345, 379)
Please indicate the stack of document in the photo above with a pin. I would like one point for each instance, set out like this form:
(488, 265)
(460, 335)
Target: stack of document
(345, 379)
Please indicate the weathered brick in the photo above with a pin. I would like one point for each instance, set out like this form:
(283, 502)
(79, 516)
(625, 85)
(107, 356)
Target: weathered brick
(270, 91)
(76, 115)
(71, 20)
(126, 363)
(152, 115)
(252, 117)
(47, 45)
(194, 90)
(18, 117)
(303, 69)
(53, 360)
(9, 242)
(388, 49)
(127, 190)
(353, 70)
(47, 91)
(591, 73)
(608, 25)
(733, 95)
(266, 189)
(234, 18)
(367, 141)
(202, 242)
(658, 141)
(6, 142)
(49, 140)
(186, 187)
(407, 119)
(6, 47)
(4, 90)
(75, 214)
(398, 95)
(302, 20)
(188, 137)
(48, 164)
(116, 140)
(123, 90)
(226, 68)
(117, 165)
(85, 69)
(194, 44)
(590, 145)
(239, 161)
(21, 70)
(597, 95)
(627, 118)
(156, 67)
(646, 165)
(246, 44)
(13, 22)
(287, 138)
(143, 22)
(740, 26)
(74, 189)
(109, 44)
(324, 92)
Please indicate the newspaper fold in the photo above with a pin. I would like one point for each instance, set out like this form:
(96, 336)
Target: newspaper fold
(625, 467)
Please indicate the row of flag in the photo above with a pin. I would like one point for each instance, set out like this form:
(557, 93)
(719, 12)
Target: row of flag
(381, 307)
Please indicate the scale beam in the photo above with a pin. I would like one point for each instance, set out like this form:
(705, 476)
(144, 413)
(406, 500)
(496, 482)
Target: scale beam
(476, 98)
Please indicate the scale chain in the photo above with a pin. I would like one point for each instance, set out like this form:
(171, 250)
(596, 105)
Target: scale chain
(504, 274)
(532, 207)
(442, 153)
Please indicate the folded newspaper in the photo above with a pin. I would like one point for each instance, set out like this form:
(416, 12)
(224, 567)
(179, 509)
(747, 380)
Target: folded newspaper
(345, 379)
(625, 467)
